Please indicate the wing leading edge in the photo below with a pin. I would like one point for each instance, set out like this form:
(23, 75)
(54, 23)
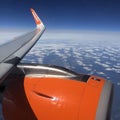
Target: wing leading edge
(12, 52)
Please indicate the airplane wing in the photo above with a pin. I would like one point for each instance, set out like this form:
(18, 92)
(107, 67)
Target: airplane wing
(48, 92)
(12, 52)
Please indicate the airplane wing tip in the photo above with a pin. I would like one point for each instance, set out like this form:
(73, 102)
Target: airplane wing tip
(36, 18)
(31, 9)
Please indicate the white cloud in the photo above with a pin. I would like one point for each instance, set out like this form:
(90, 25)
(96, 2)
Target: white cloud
(118, 83)
(101, 73)
(81, 35)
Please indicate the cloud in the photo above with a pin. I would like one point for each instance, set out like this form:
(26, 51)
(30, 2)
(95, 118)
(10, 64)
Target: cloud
(76, 35)
(81, 35)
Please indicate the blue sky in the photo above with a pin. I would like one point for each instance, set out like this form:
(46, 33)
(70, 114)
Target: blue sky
(100, 15)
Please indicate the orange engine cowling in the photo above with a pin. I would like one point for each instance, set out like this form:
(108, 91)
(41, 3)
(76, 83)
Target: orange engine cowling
(52, 98)
(59, 99)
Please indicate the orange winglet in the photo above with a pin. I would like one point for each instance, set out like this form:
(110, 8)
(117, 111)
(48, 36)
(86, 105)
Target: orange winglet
(36, 18)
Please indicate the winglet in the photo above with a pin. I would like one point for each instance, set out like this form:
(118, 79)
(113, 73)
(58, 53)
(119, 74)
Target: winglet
(38, 22)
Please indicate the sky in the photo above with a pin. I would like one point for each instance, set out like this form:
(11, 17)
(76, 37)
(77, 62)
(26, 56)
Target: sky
(85, 15)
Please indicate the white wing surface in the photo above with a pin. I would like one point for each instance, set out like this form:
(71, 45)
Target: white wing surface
(12, 52)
